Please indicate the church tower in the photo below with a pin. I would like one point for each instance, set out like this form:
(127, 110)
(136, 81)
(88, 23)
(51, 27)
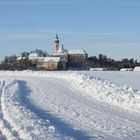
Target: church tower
(56, 44)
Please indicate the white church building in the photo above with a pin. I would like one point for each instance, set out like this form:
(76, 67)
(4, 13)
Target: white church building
(61, 58)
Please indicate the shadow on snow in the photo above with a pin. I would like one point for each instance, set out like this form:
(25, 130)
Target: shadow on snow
(61, 126)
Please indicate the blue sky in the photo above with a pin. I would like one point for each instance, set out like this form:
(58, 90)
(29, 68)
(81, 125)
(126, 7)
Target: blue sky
(110, 27)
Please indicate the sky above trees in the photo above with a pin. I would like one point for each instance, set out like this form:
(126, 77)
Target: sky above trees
(110, 27)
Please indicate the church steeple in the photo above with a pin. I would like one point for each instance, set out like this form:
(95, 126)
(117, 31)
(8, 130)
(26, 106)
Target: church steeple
(56, 44)
(56, 36)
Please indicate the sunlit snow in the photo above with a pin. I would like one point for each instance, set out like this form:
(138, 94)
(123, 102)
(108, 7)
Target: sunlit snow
(69, 105)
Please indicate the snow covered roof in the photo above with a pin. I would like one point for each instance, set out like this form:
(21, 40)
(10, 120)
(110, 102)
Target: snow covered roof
(61, 49)
(55, 59)
(126, 69)
(19, 57)
(98, 69)
(33, 54)
(59, 54)
(137, 68)
(81, 51)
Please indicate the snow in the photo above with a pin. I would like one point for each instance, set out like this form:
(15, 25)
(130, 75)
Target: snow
(61, 49)
(122, 96)
(20, 58)
(127, 78)
(29, 125)
(69, 105)
(126, 69)
(81, 51)
(97, 69)
(33, 56)
(137, 68)
(55, 59)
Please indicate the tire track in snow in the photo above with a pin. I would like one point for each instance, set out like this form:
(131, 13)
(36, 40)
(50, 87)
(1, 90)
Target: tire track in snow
(68, 100)
(62, 127)
(126, 128)
(6, 128)
(27, 123)
(2, 137)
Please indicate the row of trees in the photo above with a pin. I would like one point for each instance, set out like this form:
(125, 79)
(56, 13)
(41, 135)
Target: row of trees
(38, 51)
(12, 63)
(104, 61)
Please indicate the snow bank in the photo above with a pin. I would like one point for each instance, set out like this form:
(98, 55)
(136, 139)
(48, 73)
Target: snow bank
(126, 69)
(137, 68)
(122, 96)
(19, 121)
(24, 123)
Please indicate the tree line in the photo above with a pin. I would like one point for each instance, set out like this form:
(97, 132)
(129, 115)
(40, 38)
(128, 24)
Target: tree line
(104, 62)
(13, 63)
(100, 61)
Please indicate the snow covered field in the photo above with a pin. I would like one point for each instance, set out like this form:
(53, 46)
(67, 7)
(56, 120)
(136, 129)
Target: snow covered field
(69, 105)
(129, 78)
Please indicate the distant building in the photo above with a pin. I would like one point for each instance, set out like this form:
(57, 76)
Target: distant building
(61, 58)
(19, 58)
(126, 69)
(61, 53)
(49, 63)
(137, 68)
(77, 58)
(33, 56)
(70, 58)
(98, 69)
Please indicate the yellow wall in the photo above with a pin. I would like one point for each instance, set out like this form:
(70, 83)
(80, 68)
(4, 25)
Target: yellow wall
(50, 65)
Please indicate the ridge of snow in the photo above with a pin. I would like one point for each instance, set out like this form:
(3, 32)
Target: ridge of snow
(80, 51)
(22, 120)
(122, 96)
(66, 105)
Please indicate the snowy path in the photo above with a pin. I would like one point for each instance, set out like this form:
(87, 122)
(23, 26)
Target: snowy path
(86, 115)
(52, 107)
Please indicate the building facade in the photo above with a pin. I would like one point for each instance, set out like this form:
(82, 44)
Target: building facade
(61, 59)
(77, 58)
(70, 58)
(49, 63)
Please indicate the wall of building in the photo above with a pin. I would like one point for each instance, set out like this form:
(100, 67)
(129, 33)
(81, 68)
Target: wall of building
(51, 65)
(77, 60)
